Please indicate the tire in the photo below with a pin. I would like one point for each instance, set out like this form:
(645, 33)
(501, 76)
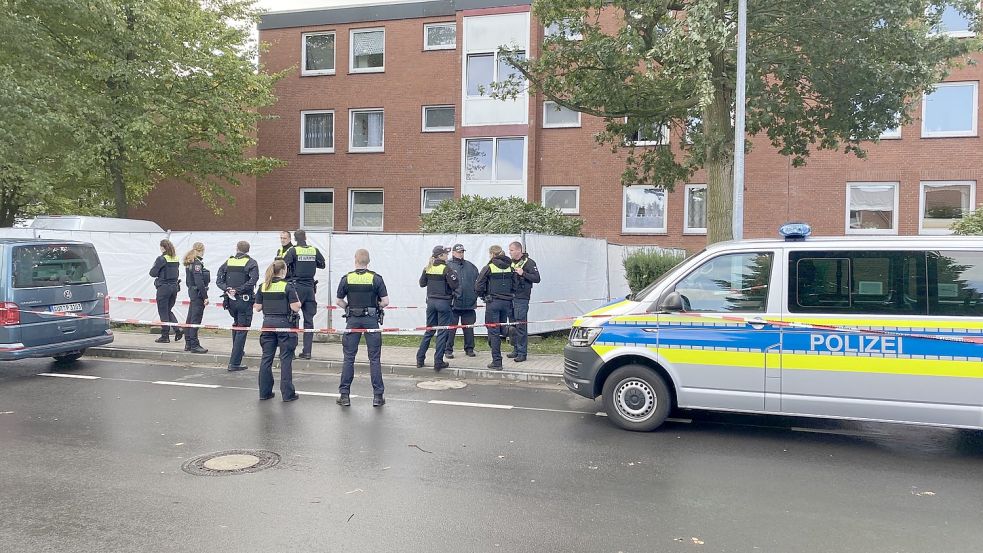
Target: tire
(69, 357)
(636, 398)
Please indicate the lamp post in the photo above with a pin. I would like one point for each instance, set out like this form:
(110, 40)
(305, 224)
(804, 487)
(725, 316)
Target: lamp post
(739, 115)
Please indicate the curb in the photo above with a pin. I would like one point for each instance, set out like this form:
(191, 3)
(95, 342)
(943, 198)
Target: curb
(322, 365)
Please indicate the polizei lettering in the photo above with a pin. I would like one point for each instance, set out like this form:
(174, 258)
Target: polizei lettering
(855, 343)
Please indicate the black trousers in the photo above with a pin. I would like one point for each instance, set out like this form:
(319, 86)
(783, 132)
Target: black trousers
(166, 298)
(269, 342)
(462, 317)
(241, 310)
(496, 311)
(308, 306)
(349, 345)
(438, 314)
(195, 313)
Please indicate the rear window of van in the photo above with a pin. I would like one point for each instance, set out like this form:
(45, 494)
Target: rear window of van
(50, 265)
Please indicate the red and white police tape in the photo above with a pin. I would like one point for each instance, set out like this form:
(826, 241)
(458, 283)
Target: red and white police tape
(126, 299)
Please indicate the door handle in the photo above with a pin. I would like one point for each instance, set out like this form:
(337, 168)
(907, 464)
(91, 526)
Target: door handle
(757, 324)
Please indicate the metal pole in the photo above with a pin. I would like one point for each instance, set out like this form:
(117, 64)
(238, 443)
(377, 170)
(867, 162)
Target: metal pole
(738, 216)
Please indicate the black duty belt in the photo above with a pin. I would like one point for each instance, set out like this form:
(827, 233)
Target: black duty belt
(362, 312)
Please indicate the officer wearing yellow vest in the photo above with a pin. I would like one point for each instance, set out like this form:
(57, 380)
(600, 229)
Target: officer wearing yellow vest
(496, 284)
(278, 301)
(363, 296)
(440, 281)
(166, 269)
(237, 279)
(303, 261)
(285, 244)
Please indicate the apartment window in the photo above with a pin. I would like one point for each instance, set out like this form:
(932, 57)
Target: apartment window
(319, 54)
(564, 198)
(695, 209)
(954, 23)
(440, 36)
(652, 134)
(563, 29)
(872, 208)
(645, 210)
(430, 198)
(365, 210)
(494, 159)
(486, 68)
(317, 132)
(317, 208)
(367, 131)
(556, 116)
(950, 110)
(368, 51)
(944, 203)
(895, 133)
(438, 118)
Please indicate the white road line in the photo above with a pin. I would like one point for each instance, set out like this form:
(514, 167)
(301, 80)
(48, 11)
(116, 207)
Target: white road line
(552, 410)
(321, 394)
(186, 384)
(601, 414)
(79, 376)
(469, 404)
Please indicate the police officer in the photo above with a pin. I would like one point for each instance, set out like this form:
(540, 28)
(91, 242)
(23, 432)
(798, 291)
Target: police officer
(496, 285)
(279, 303)
(527, 274)
(285, 244)
(237, 279)
(302, 263)
(440, 281)
(366, 298)
(165, 271)
(465, 301)
(198, 279)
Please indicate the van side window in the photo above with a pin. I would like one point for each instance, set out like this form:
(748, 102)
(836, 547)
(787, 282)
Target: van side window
(857, 282)
(728, 283)
(955, 284)
(42, 266)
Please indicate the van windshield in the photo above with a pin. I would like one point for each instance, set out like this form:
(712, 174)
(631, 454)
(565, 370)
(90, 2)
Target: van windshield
(50, 265)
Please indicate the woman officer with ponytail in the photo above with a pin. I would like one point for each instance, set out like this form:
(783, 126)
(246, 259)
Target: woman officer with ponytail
(277, 300)
(166, 271)
(198, 279)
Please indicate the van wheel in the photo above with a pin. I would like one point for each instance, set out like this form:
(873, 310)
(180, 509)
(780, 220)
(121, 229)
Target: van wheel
(69, 357)
(636, 398)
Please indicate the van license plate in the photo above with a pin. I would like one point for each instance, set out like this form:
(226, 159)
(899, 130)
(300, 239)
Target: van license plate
(66, 308)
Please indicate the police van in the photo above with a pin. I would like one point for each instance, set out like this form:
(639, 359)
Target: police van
(879, 329)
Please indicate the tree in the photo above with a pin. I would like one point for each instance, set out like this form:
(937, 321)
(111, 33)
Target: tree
(113, 96)
(477, 215)
(971, 224)
(826, 74)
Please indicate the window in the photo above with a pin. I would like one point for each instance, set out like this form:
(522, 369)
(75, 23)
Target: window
(486, 68)
(944, 203)
(365, 210)
(694, 127)
(438, 118)
(50, 266)
(645, 210)
(728, 283)
(432, 197)
(564, 198)
(895, 133)
(950, 110)
(367, 131)
(872, 208)
(317, 132)
(317, 208)
(954, 23)
(318, 53)
(556, 116)
(440, 36)
(368, 51)
(653, 134)
(695, 209)
(955, 283)
(563, 29)
(494, 159)
(857, 282)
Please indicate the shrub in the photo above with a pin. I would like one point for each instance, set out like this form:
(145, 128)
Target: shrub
(476, 215)
(970, 224)
(644, 266)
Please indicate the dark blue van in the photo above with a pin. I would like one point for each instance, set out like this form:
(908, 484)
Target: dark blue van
(40, 279)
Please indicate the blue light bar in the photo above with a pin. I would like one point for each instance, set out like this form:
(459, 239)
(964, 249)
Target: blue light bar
(795, 232)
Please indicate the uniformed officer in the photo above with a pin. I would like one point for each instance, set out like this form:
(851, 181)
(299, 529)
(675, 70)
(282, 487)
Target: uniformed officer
(527, 274)
(237, 279)
(496, 285)
(279, 303)
(465, 301)
(303, 261)
(198, 279)
(363, 296)
(166, 270)
(440, 281)
(285, 244)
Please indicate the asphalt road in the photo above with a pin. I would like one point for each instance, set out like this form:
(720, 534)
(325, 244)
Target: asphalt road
(95, 465)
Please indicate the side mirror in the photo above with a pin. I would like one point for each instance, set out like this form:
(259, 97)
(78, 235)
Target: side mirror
(674, 302)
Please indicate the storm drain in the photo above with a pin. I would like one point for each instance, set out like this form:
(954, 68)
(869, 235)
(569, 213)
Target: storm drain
(441, 385)
(236, 461)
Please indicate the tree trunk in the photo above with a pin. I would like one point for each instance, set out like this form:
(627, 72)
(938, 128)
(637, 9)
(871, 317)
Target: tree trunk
(719, 163)
(9, 207)
(115, 167)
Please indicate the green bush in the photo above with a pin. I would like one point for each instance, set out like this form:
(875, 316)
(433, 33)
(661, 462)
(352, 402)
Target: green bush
(970, 224)
(476, 215)
(644, 266)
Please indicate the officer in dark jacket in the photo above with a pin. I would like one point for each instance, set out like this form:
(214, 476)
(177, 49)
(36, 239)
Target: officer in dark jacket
(465, 301)
(363, 296)
(527, 274)
(440, 281)
(496, 285)
(237, 279)
(279, 303)
(285, 245)
(303, 261)
(166, 272)
(198, 279)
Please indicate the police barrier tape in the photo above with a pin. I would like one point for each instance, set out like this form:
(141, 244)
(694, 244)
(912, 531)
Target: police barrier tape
(218, 304)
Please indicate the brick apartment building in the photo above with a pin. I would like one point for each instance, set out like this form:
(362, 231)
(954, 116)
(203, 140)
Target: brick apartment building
(380, 118)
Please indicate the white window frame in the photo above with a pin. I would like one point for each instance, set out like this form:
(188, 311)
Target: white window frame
(303, 224)
(428, 47)
(976, 110)
(423, 116)
(573, 37)
(921, 202)
(304, 72)
(666, 137)
(351, 204)
(495, 62)
(561, 126)
(566, 211)
(894, 219)
(423, 196)
(351, 52)
(494, 160)
(686, 193)
(891, 134)
(303, 124)
(625, 229)
(351, 134)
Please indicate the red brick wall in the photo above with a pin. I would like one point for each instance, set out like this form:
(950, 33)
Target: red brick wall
(176, 205)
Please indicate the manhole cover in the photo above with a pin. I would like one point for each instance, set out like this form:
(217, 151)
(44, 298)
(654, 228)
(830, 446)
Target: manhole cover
(237, 461)
(441, 385)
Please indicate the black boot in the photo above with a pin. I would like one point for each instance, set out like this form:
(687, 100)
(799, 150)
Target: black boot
(344, 400)
(378, 401)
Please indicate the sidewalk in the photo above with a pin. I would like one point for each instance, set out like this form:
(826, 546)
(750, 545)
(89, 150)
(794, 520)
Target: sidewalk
(327, 357)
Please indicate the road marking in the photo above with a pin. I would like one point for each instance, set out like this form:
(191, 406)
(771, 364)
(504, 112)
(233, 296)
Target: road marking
(321, 394)
(601, 414)
(469, 404)
(551, 410)
(79, 376)
(185, 384)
